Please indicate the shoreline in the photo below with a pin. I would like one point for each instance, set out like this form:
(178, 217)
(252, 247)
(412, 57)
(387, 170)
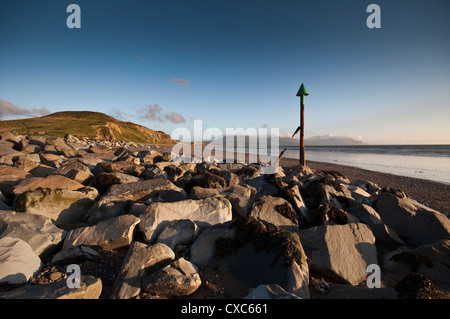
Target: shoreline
(430, 193)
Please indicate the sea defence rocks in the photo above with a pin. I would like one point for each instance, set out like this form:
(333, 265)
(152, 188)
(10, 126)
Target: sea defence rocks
(140, 225)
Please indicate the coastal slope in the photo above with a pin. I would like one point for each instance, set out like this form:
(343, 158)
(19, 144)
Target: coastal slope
(85, 124)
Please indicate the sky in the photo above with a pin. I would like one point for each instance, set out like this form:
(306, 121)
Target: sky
(234, 64)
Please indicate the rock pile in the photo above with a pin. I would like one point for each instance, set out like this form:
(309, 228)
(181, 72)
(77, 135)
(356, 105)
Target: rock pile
(140, 225)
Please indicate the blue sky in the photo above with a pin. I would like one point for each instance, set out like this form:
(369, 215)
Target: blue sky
(235, 64)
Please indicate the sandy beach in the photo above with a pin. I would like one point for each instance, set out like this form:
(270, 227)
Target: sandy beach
(432, 194)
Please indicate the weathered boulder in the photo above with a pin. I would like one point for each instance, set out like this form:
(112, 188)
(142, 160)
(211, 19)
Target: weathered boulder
(178, 232)
(74, 170)
(204, 212)
(103, 181)
(368, 186)
(85, 252)
(108, 234)
(113, 203)
(341, 252)
(51, 182)
(203, 249)
(52, 159)
(240, 198)
(141, 260)
(126, 167)
(11, 176)
(18, 261)
(198, 192)
(260, 252)
(430, 261)
(180, 278)
(154, 173)
(203, 179)
(275, 210)
(415, 223)
(365, 213)
(90, 288)
(64, 206)
(38, 231)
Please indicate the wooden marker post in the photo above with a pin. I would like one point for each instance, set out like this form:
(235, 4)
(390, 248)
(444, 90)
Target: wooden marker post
(302, 93)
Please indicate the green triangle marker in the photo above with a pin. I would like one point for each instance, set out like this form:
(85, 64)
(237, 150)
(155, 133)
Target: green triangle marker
(302, 91)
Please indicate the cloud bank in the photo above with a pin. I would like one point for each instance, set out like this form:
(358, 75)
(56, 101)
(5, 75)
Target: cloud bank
(8, 109)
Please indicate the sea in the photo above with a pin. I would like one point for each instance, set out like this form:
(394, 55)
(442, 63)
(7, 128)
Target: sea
(430, 162)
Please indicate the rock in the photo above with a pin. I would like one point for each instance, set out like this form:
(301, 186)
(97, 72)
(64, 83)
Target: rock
(249, 171)
(331, 215)
(90, 288)
(203, 249)
(198, 192)
(415, 223)
(10, 177)
(368, 186)
(18, 261)
(341, 252)
(52, 160)
(178, 232)
(51, 182)
(180, 278)
(154, 173)
(108, 234)
(204, 212)
(100, 149)
(7, 154)
(141, 260)
(65, 207)
(430, 261)
(416, 286)
(103, 181)
(114, 201)
(272, 291)
(360, 195)
(240, 199)
(324, 191)
(74, 170)
(125, 167)
(42, 170)
(27, 164)
(366, 214)
(294, 197)
(203, 179)
(36, 230)
(232, 167)
(277, 211)
(72, 253)
(261, 252)
(262, 187)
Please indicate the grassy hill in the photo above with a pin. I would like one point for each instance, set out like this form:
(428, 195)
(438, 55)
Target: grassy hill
(85, 124)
